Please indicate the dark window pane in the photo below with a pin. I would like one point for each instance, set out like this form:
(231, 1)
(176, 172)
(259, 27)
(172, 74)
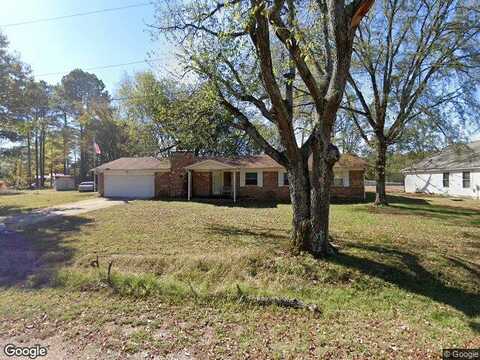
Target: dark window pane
(338, 182)
(285, 179)
(251, 178)
(446, 180)
(466, 180)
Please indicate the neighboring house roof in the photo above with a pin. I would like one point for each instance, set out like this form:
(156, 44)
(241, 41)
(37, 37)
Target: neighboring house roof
(455, 157)
(136, 163)
(347, 161)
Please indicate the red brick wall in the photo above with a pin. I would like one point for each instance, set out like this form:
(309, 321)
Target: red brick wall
(201, 184)
(356, 190)
(269, 191)
(270, 179)
(162, 184)
(178, 175)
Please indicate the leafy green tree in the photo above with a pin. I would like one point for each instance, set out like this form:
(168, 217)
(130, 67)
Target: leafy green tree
(61, 107)
(38, 97)
(111, 133)
(13, 78)
(81, 91)
(173, 115)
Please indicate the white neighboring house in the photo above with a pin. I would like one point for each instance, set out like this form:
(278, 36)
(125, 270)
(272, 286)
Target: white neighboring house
(454, 171)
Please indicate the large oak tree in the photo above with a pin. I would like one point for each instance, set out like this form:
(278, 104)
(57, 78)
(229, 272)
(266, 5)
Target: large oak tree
(263, 56)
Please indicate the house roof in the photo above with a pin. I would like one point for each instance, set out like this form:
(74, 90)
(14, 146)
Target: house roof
(455, 157)
(135, 163)
(351, 161)
(348, 161)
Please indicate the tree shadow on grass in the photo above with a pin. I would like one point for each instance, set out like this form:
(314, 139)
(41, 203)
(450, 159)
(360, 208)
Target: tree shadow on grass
(439, 210)
(225, 202)
(9, 192)
(32, 256)
(241, 203)
(399, 199)
(401, 205)
(416, 279)
(260, 234)
(456, 216)
(251, 203)
(10, 210)
(469, 266)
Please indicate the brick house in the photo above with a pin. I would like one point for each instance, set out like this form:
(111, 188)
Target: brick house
(184, 175)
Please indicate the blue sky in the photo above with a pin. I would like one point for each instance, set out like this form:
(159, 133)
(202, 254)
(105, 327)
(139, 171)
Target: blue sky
(87, 41)
(82, 42)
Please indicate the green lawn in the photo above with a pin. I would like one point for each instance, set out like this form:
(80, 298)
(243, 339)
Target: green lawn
(14, 202)
(405, 285)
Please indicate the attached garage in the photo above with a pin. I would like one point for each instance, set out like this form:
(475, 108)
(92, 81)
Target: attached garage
(133, 178)
(129, 186)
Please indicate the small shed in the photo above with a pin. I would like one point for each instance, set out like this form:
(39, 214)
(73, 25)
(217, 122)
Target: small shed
(64, 182)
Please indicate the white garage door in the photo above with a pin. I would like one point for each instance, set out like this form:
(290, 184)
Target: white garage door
(130, 186)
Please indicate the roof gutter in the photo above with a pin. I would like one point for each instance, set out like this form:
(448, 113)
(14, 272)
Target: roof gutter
(107, 169)
(416, 171)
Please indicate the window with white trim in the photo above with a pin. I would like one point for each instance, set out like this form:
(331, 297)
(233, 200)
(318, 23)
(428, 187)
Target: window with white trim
(466, 179)
(446, 180)
(285, 179)
(340, 179)
(251, 179)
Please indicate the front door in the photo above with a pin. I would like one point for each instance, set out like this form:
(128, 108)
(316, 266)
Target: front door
(217, 183)
(227, 179)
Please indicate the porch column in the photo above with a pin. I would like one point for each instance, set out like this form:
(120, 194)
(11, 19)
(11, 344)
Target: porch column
(189, 172)
(234, 186)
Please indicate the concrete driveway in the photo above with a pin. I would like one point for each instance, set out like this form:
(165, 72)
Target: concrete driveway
(10, 223)
(18, 258)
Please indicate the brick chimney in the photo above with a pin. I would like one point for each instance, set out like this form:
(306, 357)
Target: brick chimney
(178, 175)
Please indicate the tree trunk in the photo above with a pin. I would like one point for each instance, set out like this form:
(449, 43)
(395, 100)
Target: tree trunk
(83, 156)
(37, 183)
(380, 166)
(299, 184)
(324, 156)
(51, 174)
(75, 167)
(65, 144)
(42, 157)
(310, 197)
(29, 159)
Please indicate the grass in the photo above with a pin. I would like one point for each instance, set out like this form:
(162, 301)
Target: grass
(405, 285)
(16, 202)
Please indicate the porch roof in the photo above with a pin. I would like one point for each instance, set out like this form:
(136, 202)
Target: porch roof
(243, 162)
(211, 164)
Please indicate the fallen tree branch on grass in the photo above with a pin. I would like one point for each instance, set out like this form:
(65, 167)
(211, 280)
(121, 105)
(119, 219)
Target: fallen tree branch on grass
(281, 302)
(109, 273)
